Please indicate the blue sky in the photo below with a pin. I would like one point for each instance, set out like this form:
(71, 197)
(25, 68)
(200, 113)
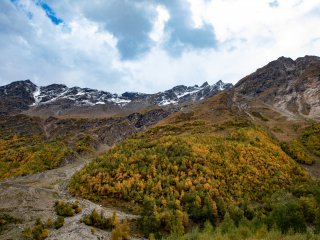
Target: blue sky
(150, 45)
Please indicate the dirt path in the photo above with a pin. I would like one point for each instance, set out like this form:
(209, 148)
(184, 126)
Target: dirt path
(33, 196)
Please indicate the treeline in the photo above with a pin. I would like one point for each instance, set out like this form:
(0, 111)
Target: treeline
(202, 175)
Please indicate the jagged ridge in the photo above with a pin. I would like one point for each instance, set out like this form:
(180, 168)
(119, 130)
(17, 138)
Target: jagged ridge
(30, 95)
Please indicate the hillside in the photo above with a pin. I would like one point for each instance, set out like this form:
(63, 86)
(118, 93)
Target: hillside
(192, 171)
(181, 161)
(224, 154)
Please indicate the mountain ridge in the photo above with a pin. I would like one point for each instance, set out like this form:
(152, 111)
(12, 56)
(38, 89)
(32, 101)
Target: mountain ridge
(37, 98)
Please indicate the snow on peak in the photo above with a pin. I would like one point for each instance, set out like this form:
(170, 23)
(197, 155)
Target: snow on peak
(90, 97)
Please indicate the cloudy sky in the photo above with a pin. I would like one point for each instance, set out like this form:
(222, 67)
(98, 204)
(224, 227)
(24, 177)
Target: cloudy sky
(150, 45)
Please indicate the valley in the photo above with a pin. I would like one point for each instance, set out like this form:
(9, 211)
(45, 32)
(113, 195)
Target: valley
(217, 160)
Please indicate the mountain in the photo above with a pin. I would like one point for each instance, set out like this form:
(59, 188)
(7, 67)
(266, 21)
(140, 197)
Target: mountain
(291, 87)
(58, 99)
(238, 156)
(16, 96)
(244, 158)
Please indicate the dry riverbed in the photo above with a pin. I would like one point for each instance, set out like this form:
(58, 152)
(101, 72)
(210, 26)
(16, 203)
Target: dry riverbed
(33, 196)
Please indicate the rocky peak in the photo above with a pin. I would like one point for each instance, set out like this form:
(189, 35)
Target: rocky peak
(205, 84)
(18, 87)
(16, 96)
(292, 86)
(133, 95)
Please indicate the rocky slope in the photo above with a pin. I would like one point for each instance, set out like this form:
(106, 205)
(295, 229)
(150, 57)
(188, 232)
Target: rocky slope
(291, 87)
(16, 96)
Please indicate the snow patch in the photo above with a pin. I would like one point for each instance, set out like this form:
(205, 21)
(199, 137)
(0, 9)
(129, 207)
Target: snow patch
(119, 100)
(36, 97)
(167, 102)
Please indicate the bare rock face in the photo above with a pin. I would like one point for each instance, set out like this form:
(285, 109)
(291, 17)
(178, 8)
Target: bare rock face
(16, 96)
(291, 87)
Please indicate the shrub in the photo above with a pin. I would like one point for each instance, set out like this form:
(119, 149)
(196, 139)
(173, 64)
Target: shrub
(49, 223)
(66, 209)
(6, 219)
(37, 232)
(121, 231)
(99, 220)
(59, 222)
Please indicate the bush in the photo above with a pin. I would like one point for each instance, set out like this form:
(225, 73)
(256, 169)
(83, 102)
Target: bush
(6, 219)
(99, 220)
(37, 232)
(59, 222)
(121, 231)
(67, 209)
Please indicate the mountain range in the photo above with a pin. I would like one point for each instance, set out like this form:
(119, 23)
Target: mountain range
(246, 155)
(58, 99)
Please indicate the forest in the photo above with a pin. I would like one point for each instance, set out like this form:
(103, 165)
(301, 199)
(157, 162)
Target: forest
(191, 174)
(27, 154)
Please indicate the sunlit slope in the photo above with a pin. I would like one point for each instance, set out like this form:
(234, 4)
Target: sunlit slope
(193, 168)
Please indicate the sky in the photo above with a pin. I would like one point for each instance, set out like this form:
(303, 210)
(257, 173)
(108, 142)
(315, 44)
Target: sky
(150, 45)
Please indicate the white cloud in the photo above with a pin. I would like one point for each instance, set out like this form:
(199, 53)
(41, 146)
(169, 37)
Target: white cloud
(81, 51)
(157, 33)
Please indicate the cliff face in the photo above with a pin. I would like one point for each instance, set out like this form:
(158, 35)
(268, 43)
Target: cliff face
(291, 87)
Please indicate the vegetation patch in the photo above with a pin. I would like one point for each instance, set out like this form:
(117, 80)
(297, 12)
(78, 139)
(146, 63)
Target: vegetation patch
(59, 222)
(311, 139)
(98, 220)
(38, 232)
(6, 219)
(65, 209)
(26, 155)
(249, 230)
(297, 152)
(84, 144)
(120, 230)
(193, 177)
